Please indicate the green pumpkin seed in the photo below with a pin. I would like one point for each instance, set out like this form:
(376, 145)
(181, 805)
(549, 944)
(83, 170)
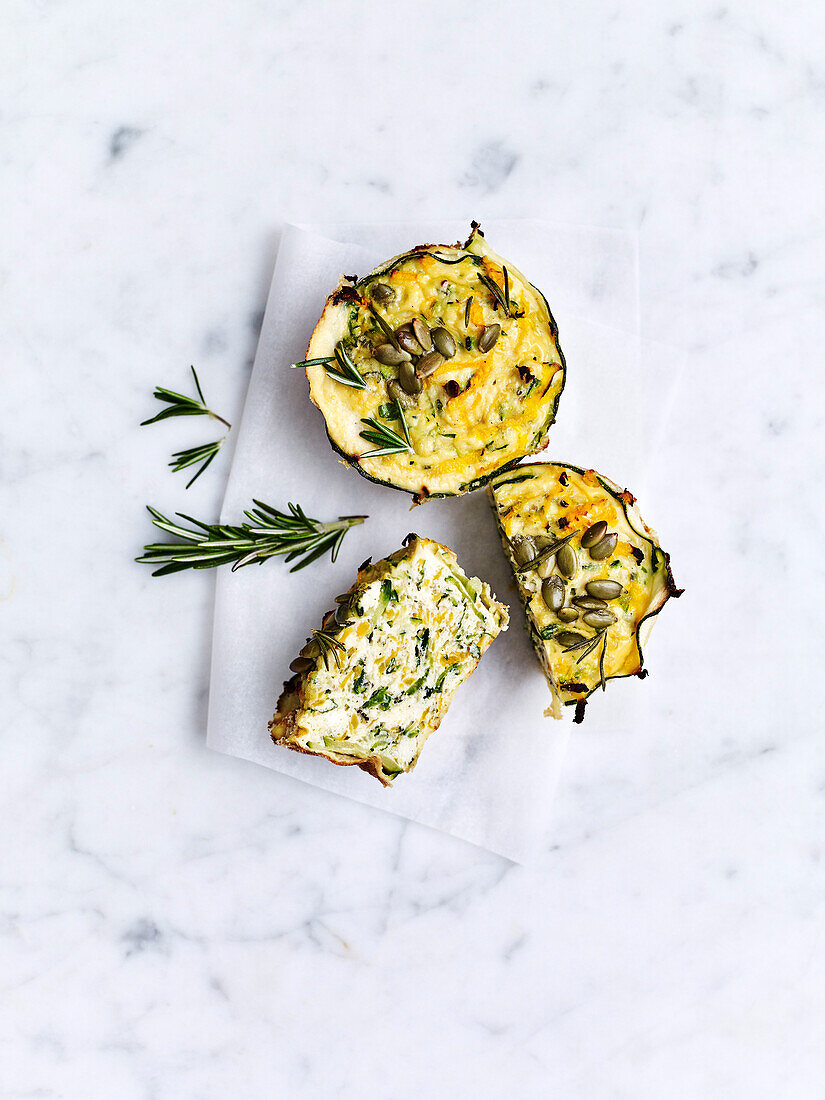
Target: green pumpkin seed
(408, 378)
(444, 343)
(566, 560)
(543, 541)
(390, 356)
(604, 590)
(552, 592)
(399, 394)
(301, 664)
(428, 364)
(589, 603)
(407, 341)
(422, 334)
(311, 649)
(604, 547)
(567, 638)
(599, 619)
(487, 338)
(524, 549)
(382, 292)
(545, 568)
(567, 614)
(345, 597)
(343, 613)
(594, 534)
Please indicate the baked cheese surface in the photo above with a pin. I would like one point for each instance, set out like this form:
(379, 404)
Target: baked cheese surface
(484, 403)
(591, 574)
(409, 632)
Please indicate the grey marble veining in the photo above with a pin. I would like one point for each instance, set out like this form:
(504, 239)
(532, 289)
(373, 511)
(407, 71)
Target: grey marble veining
(177, 924)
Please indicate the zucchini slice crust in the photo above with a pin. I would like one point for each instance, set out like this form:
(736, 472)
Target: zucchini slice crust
(590, 573)
(373, 684)
(477, 392)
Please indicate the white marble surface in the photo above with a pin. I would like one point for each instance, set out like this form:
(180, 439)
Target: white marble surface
(177, 924)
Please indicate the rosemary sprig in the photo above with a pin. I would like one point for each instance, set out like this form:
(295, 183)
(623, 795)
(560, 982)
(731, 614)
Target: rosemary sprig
(495, 290)
(388, 442)
(181, 405)
(203, 453)
(345, 370)
(601, 661)
(329, 644)
(314, 362)
(546, 553)
(269, 533)
(467, 309)
(506, 291)
(589, 643)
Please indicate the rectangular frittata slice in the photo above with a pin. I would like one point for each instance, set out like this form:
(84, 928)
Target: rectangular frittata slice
(373, 684)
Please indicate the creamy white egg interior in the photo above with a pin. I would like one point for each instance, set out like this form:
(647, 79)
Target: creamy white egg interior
(418, 626)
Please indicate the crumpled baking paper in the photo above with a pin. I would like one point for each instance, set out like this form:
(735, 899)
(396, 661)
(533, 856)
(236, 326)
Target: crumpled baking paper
(488, 774)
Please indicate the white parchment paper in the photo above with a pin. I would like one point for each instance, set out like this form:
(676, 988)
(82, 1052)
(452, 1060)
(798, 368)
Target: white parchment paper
(488, 774)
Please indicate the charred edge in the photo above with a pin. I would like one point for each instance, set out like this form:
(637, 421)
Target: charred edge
(638, 554)
(365, 564)
(345, 294)
(578, 717)
(643, 673)
(409, 538)
(564, 479)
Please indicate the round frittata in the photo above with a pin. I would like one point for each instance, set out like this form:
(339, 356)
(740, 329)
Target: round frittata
(437, 370)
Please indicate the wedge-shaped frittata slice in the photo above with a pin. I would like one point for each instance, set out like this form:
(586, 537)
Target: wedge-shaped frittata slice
(590, 573)
(437, 369)
(372, 685)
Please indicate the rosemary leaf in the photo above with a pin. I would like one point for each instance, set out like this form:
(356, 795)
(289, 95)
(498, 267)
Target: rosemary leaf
(179, 404)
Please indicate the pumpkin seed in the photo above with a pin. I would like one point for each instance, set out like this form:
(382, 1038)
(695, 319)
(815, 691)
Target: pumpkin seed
(407, 341)
(342, 613)
(390, 356)
(408, 378)
(311, 649)
(599, 619)
(428, 364)
(604, 590)
(443, 342)
(545, 568)
(604, 547)
(524, 549)
(589, 603)
(399, 394)
(552, 592)
(489, 335)
(566, 560)
(543, 541)
(567, 614)
(345, 597)
(568, 637)
(381, 292)
(422, 334)
(301, 664)
(594, 534)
